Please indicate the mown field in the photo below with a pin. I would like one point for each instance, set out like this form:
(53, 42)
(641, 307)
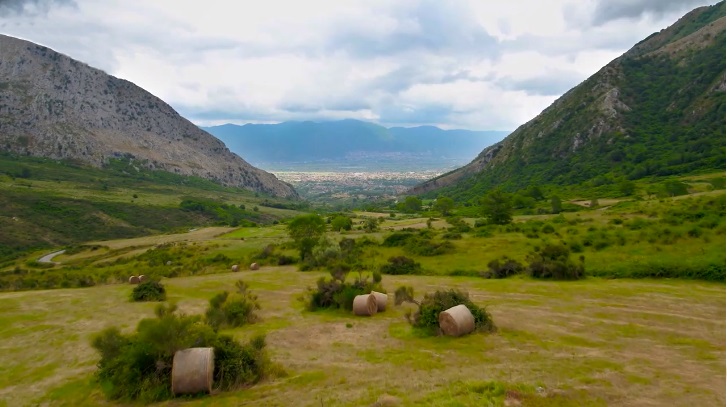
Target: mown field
(593, 342)
(645, 327)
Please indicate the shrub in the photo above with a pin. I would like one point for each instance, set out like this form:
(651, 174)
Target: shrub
(401, 265)
(553, 261)
(397, 239)
(336, 293)
(149, 291)
(423, 246)
(138, 366)
(426, 318)
(503, 269)
(234, 310)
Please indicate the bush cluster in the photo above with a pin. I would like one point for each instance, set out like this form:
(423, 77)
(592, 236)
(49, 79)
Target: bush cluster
(553, 262)
(138, 366)
(401, 265)
(426, 317)
(336, 293)
(233, 310)
(151, 290)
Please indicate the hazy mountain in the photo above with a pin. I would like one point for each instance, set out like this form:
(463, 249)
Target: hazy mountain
(56, 107)
(659, 109)
(311, 141)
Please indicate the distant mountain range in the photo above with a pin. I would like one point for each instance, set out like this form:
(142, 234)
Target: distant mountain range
(657, 110)
(56, 107)
(335, 140)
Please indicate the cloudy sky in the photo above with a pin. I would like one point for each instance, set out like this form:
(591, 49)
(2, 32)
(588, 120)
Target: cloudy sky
(481, 65)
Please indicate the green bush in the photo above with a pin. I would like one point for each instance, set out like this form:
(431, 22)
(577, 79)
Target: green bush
(138, 366)
(503, 268)
(397, 239)
(149, 291)
(422, 246)
(234, 310)
(426, 318)
(401, 265)
(336, 293)
(553, 262)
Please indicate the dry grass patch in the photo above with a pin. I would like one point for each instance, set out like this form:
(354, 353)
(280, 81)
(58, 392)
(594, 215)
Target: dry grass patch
(591, 342)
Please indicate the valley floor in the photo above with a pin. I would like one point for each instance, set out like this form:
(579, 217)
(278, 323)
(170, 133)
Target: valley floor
(590, 342)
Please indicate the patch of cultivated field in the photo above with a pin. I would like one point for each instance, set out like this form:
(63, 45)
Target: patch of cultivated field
(589, 342)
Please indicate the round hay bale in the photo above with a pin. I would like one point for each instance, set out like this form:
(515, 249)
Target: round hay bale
(235, 268)
(456, 321)
(133, 280)
(365, 305)
(381, 300)
(142, 278)
(193, 370)
(254, 266)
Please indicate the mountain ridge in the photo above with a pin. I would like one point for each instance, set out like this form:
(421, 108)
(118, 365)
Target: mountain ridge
(54, 106)
(628, 120)
(293, 141)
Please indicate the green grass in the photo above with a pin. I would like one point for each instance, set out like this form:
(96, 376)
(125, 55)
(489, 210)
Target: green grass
(592, 342)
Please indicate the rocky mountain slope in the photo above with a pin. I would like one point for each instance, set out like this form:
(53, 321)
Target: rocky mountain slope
(56, 107)
(657, 110)
(310, 141)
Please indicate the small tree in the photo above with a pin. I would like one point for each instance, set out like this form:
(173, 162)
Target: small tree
(341, 222)
(555, 205)
(444, 205)
(411, 204)
(306, 231)
(371, 225)
(626, 187)
(497, 207)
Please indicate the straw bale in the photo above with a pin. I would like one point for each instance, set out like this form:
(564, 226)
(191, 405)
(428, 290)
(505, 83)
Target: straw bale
(381, 300)
(193, 370)
(456, 321)
(365, 305)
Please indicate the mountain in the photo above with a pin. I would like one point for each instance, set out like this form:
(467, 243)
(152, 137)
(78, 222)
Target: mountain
(312, 141)
(56, 107)
(657, 110)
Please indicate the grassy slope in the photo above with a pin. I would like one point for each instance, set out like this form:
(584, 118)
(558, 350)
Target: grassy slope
(49, 204)
(592, 342)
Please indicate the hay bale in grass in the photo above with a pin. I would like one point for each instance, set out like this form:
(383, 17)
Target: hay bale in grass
(254, 266)
(193, 370)
(381, 300)
(235, 268)
(365, 305)
(142, 278)
(134, 280)
(456, 321)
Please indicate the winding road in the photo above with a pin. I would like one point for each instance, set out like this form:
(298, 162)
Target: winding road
(48, 258)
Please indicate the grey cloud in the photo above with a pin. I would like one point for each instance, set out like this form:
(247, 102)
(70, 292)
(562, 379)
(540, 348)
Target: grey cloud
(609, 10)
(31, 7)
(551, 84)
(446, 28)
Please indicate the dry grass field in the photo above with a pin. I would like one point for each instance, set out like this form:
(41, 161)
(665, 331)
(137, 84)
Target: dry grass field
(586, 343)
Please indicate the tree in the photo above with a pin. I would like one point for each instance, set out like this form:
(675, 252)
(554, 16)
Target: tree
(411, 204)
(371, 225)
(626, 187)
(341, 222)
(444, 205)
(497, 207)
(555, 204)
(535, 193)
(306, 231)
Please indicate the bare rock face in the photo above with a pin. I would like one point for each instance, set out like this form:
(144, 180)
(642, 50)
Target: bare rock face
(56, 107)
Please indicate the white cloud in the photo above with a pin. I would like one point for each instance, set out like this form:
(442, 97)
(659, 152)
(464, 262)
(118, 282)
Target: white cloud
(465, 64)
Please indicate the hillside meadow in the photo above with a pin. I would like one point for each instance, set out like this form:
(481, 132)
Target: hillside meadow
(592, 342)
